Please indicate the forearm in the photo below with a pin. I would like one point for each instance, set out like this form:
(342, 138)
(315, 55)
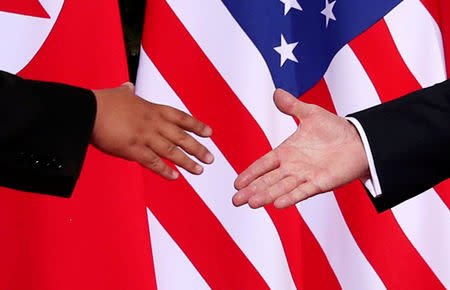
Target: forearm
(409, 140)
(45, 129)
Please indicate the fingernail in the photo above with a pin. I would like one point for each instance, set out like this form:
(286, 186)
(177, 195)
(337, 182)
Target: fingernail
(175, 174)
(198, 169)
(209, 158)
(207, 131)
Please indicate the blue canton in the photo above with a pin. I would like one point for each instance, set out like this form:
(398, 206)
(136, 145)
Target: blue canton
(313, 30)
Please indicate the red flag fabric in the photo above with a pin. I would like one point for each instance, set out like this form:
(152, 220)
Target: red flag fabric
(98, 238)
(199, 57)
(195, 57)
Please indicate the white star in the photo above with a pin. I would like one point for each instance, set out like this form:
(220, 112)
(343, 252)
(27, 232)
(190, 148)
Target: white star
(288, 4)
(328, 11)
(286, 51)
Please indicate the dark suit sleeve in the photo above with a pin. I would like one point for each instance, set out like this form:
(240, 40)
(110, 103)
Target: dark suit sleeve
(45, 129)
(410, 143)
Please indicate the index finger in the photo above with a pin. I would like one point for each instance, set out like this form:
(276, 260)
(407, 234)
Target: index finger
(261, 166)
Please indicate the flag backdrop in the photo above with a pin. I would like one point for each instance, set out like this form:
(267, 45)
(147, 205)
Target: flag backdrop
(221, 61)
(97, 239)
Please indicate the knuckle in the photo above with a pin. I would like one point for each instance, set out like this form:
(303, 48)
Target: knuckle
(166, 110)
(267, 180)
(182, 117)
(166, 170)
(189, 164)
(296, 195)
(201, 150)
(200, 127)
(299, 194)
(266, 163)
(253, 188)
(290, 183)
(170, 149)
(271, 194)
(183, 137)
(154, 162)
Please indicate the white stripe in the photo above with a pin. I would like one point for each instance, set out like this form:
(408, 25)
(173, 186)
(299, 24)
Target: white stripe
(22, 36)
(426, 222)
(352, 90)
(249, 77)
(351, 267)
(253, 231)
(173, 269)
(419, 41)
(349, 85)
(425, 219)
(239, 62)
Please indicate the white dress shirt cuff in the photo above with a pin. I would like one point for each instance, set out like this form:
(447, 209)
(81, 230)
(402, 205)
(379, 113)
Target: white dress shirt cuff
(371, 183)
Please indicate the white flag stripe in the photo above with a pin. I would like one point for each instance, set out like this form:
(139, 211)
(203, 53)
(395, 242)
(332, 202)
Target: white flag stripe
(411, 25)
(25, 35)
(252, 83)
(345, 257)
(427, 63)
(253, 231)
(195, 15)
(351, 82)
(424, 219)
(169, 258)
(426, 222)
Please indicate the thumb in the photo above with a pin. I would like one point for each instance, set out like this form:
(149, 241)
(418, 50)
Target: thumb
(289, 104)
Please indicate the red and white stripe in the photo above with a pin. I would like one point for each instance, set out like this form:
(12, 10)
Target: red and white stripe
(196, 58)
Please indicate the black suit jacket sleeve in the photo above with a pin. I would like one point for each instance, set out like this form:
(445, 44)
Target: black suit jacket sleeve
(45, 129)
(410, 142)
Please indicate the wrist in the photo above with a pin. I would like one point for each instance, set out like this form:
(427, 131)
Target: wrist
(98, 94)
(360, 153)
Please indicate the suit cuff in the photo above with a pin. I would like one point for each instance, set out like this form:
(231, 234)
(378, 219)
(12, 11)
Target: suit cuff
(372, 183)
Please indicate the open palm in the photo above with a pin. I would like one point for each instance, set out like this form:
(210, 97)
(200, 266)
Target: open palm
(325, 152)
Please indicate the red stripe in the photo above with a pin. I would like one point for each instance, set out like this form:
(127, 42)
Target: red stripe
(371, 46)
(206, 94)
(383, 242)
(443, 189)
(200, 235)
(440, 11)
(28, 7)
(386, 79)
(98, 238)
(379, 236)
(375, 44)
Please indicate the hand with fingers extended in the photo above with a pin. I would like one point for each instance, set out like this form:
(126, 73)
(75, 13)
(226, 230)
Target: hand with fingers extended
(324, 153)
(129, 127)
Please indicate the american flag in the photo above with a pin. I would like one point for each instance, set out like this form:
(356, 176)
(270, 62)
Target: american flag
(221, 62)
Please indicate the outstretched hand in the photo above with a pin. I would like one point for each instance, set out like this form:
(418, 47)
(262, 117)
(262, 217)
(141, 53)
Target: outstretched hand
(325, 152)
(129, 127)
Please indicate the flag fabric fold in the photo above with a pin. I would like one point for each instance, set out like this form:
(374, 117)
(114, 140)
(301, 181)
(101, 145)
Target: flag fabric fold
(221, 61)
(98, 238)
